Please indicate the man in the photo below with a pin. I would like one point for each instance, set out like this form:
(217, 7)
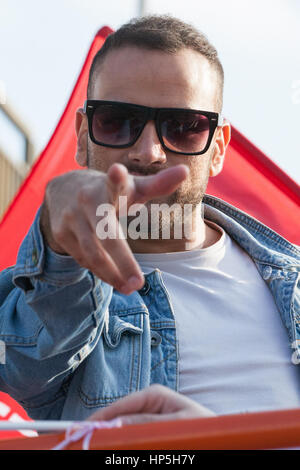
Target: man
(87, 318)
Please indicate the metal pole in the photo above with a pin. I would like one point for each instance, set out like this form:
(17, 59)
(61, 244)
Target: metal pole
(142, 7)
(16, 121)
(41, 426)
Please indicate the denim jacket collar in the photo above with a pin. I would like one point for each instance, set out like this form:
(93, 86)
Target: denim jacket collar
(262, 243)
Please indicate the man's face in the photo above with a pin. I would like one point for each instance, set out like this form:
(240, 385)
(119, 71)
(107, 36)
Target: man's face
(156, 79)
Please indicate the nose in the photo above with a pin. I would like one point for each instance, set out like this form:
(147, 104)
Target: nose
(148, 150)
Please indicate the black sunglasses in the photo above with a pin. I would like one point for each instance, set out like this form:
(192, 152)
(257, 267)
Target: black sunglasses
(119, 125)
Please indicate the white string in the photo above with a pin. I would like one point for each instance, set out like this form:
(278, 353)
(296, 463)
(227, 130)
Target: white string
(84, 431)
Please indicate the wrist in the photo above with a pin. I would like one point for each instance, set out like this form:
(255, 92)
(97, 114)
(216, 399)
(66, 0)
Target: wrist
(46, 231)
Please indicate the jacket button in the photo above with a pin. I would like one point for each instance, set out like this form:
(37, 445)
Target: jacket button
(267, 272)
(155, 338)
(145, 289)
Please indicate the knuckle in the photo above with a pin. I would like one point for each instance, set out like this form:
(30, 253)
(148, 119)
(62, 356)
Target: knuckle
(55, 185)
(59, 235)
(86, 244)
(85, 195)
(68, 214)
(93, 257)
(52, 183)
(116, 282)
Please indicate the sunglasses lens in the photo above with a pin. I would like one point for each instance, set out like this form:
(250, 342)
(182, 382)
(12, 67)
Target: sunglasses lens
(116, 125)
(184, 132)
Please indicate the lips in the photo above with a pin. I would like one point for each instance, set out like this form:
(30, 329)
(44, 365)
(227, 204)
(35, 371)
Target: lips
(135, 173)
(144, 173)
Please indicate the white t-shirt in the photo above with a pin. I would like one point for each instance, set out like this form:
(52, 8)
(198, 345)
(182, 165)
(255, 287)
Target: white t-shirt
(234, 352)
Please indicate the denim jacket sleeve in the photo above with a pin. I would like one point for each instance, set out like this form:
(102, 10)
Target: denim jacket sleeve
(52, 313)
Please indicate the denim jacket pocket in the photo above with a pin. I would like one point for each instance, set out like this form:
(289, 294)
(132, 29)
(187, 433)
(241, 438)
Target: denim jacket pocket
(116, 369)
(116, 328)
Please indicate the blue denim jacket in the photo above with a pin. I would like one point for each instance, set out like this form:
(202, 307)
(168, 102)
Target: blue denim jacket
(73, 345)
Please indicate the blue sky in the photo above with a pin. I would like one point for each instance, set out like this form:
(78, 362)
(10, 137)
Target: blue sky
(43, 45)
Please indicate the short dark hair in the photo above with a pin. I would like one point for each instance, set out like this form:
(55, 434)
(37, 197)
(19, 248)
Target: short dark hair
(164, 33)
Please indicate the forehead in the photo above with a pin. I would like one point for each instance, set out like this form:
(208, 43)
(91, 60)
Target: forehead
(155, 78)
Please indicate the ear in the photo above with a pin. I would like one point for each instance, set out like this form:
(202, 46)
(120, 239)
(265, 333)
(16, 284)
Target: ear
(81, 127)
(222, 140)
